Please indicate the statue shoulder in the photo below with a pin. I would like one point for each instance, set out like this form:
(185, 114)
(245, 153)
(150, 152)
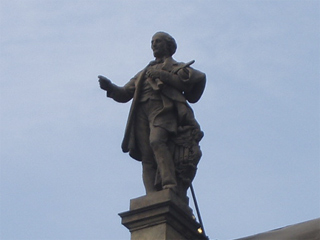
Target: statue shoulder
(197, 82)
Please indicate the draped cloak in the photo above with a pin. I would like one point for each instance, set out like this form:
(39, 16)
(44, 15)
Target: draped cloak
(174, 99)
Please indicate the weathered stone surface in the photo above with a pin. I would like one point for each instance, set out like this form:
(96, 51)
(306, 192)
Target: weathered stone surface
(161, 216)
(162, 197)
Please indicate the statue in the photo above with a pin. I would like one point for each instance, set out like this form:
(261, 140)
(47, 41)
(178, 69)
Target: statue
(161, 130)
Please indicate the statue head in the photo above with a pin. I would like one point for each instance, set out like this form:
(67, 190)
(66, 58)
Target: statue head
(163, 45)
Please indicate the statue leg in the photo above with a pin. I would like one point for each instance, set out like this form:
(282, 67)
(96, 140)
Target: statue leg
(148, 176)
(164, 160)
(149, 166)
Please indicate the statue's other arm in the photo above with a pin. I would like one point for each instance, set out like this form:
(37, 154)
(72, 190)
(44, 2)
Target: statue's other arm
(183, 80)
(167, 78)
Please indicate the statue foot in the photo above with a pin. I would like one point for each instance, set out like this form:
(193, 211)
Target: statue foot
(170, 186)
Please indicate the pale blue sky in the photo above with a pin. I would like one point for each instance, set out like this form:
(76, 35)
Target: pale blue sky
(63, 175)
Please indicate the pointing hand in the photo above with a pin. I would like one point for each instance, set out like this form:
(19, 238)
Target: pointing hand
(105, 83)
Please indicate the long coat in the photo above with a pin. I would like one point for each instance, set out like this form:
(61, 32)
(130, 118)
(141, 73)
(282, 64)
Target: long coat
(193, 82)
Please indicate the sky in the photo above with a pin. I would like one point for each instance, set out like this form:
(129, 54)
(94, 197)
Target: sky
(63, 174)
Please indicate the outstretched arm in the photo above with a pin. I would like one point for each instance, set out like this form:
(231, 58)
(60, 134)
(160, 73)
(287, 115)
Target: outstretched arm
(119, 94)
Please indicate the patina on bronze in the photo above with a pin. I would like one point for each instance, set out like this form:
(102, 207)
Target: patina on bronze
(161, 130)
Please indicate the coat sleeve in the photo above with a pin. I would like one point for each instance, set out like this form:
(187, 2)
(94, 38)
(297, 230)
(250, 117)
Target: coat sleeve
(122, 94)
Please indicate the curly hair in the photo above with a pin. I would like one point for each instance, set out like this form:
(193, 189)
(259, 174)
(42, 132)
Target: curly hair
(171, 43)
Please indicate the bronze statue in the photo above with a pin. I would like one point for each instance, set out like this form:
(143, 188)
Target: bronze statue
(161, 131)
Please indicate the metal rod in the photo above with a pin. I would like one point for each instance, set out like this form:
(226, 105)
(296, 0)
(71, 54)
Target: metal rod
(197, 209)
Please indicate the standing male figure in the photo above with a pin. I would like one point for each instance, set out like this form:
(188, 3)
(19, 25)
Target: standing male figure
(161, 131)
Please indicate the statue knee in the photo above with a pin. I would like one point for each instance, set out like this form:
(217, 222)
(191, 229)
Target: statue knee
(157, 144)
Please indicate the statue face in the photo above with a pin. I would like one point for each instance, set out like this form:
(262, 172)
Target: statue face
(159, 46)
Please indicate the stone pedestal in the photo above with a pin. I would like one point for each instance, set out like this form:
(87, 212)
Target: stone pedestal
(161, 216)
